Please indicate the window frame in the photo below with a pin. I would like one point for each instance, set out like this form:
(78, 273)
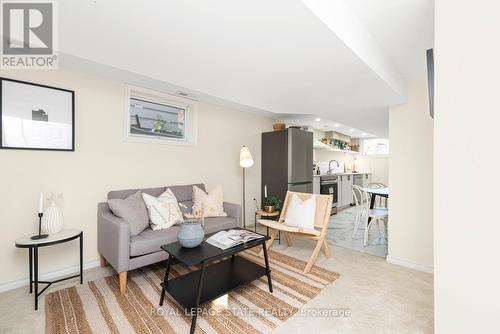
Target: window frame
(363, 153)
(148, 95)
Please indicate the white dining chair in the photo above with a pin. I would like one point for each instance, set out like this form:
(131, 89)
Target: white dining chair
(364, 213)
(378, 185)
(358, 207)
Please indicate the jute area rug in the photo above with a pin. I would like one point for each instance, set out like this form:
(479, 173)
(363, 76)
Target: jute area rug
(98, 307)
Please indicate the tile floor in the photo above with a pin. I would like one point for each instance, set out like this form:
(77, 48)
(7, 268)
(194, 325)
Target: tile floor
(340, 232)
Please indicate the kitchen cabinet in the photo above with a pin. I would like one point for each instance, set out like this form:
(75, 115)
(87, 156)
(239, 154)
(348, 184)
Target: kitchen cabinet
(345, 182)
(345, 189)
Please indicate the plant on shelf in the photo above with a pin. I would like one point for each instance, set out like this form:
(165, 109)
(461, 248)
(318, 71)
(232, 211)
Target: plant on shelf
(324, 140)
(271, 204)
(339, 144)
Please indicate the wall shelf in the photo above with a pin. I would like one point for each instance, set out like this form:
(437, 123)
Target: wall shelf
(317, 145)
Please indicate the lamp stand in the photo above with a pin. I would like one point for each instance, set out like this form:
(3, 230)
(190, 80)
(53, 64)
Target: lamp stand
(244, 223)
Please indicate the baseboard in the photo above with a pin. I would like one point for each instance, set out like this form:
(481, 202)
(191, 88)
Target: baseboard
(409, 264)
(48, 276)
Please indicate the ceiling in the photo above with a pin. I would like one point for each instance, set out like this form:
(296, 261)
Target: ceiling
(404, 29)
(284, 58)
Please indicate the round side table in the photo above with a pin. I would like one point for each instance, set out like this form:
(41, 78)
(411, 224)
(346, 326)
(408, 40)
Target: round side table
(52, 239)
(273, 216)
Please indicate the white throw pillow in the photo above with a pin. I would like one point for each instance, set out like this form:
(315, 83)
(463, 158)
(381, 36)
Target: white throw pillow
(163, 210)
(301, 213)
(212, 203)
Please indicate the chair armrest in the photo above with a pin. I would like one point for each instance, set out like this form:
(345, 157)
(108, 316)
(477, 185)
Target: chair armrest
(113, 238)
(233, 211)
(280, 226)
(279, 221)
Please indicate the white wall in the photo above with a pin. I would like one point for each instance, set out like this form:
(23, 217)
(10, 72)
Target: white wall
(104, 162)
(377, 165)
(411, 181)
(467, 166)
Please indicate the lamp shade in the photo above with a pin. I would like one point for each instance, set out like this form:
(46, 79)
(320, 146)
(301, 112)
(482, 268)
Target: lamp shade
(246, 159)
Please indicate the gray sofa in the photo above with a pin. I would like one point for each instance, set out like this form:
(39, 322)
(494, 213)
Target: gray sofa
(124, 253)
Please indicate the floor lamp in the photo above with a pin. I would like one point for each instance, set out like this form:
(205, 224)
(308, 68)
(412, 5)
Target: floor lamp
(246, 161)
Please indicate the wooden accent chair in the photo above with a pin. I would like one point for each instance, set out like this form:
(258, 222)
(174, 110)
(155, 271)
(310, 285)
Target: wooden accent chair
(323, 209)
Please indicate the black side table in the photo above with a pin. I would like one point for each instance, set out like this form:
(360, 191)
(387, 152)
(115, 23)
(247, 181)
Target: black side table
(53, 239)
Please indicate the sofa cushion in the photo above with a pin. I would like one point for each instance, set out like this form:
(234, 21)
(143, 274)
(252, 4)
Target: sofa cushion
(149, 241)
(185, 193)
(163, 210)
(215, 224)
(133, 210)
(209, 204)
(182, 193)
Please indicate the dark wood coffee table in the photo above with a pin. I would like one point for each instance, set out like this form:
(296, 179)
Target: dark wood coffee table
(212, 279)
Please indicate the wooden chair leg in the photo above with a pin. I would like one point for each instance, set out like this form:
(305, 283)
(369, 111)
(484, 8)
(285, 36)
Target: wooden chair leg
(123, 282)
(288, 239)
(326, 249)
(313, 257)
(103, 261)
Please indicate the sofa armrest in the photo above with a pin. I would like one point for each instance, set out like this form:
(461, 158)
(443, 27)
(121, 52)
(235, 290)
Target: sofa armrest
(113, 238)
(233, 211)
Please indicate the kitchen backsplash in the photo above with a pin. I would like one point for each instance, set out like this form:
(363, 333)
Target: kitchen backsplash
(323, 167)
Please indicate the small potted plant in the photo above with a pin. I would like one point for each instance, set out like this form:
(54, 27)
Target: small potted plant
(271, 204)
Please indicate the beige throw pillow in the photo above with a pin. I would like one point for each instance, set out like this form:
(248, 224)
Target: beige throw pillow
(163, 210)
(212, 203)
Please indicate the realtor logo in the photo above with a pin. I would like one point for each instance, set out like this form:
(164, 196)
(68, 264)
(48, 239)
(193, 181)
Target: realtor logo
(28, 35)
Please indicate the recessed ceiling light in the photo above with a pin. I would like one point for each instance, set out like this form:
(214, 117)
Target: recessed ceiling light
(351, 130)
(336, 125)
(363, 134)
(317, 119)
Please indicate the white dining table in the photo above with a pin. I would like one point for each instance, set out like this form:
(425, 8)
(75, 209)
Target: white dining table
(383, 192)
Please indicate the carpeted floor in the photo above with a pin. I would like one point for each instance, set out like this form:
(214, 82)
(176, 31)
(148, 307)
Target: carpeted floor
(98, 307)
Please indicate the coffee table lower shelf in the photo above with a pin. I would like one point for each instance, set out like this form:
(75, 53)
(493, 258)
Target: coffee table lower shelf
(219, 279)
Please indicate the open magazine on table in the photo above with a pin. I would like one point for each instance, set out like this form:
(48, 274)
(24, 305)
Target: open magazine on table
(231, 238)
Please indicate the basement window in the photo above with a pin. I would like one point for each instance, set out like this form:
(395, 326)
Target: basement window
(375, 146)
(157, 117)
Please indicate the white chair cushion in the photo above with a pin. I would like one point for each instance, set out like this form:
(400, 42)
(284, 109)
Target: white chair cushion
(301, 213)
(211, 203)
(163, 210)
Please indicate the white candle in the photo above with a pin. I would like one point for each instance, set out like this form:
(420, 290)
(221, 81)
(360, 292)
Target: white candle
(40, 206)
(265, 191)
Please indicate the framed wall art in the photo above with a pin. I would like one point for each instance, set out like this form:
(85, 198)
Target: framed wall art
(36, 117)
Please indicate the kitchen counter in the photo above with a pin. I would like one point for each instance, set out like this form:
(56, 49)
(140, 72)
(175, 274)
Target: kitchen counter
(357, 173)
(341, 188)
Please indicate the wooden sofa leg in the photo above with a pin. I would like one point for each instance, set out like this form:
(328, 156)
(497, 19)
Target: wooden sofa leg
(123, 282)
(103, 261)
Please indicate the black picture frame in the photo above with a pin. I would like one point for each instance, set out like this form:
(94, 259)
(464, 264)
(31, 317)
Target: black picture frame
(2, 146)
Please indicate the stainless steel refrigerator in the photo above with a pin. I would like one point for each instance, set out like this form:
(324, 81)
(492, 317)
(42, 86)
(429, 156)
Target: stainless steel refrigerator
(287, 162)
